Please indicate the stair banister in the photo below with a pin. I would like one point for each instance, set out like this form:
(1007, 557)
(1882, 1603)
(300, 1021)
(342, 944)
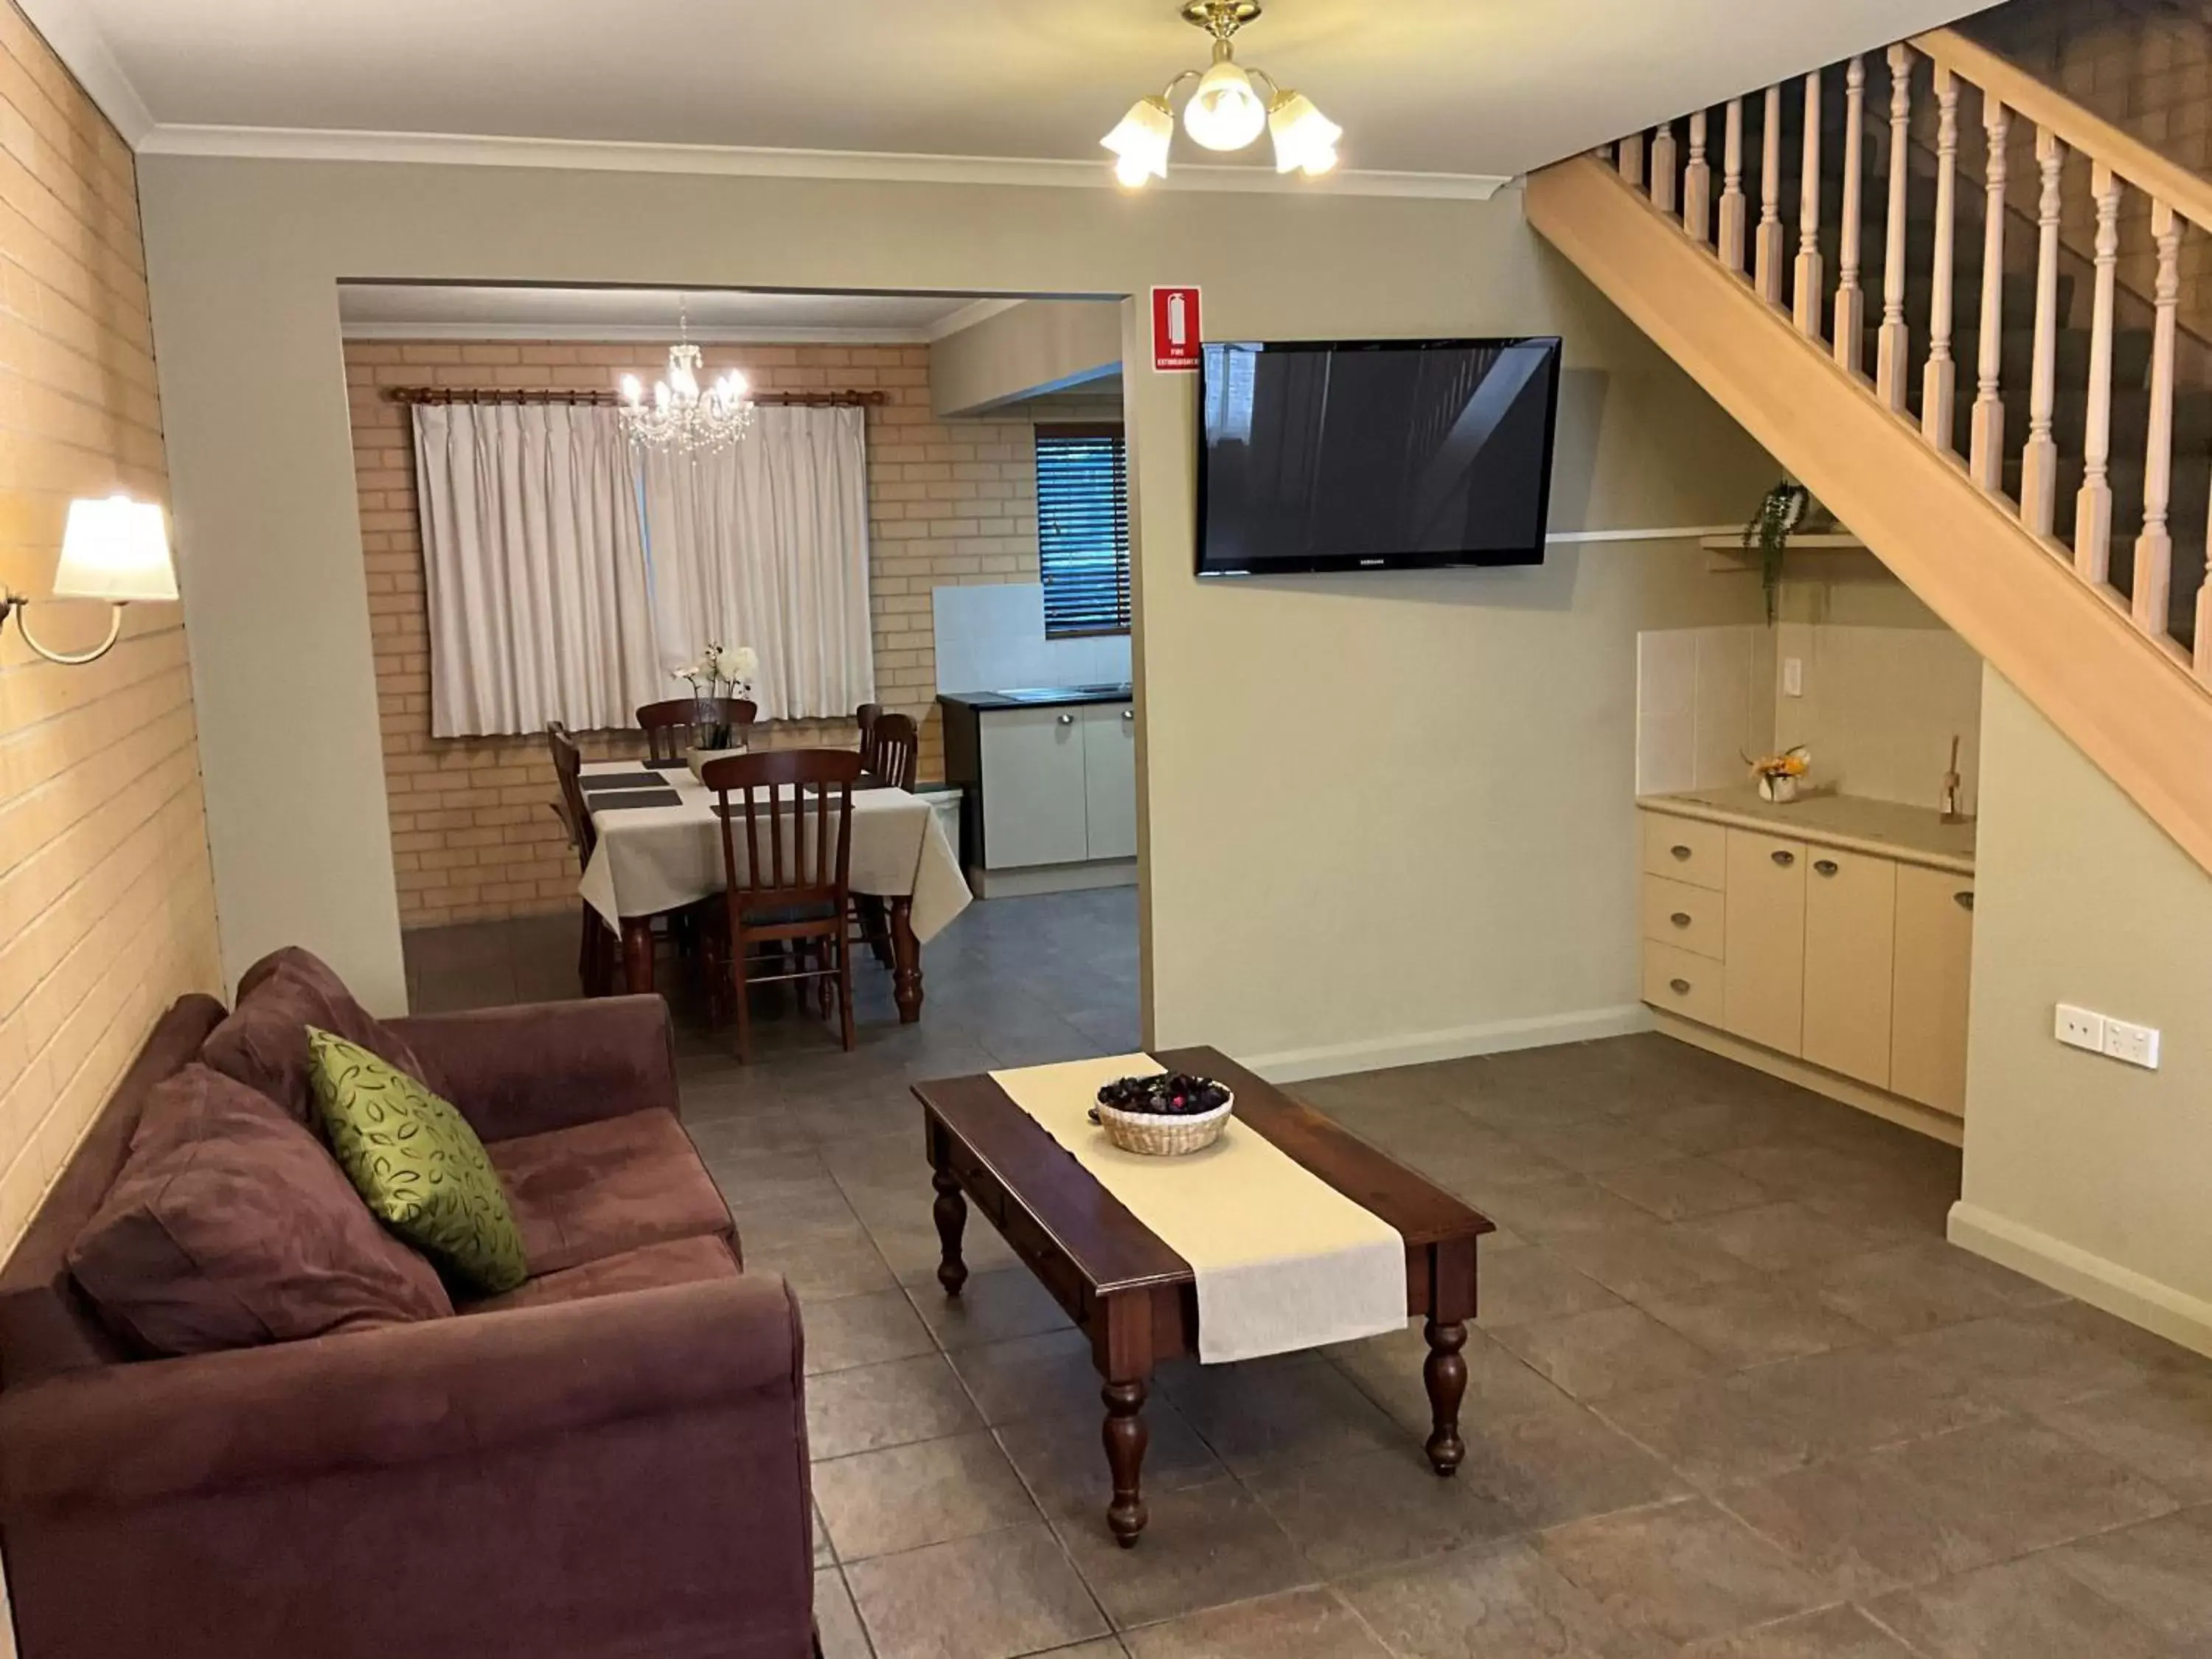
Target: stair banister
(1766, 260)
(1986, 438)
(2154, 562)
(1938, 379)
(1893, 346)
(2038, 472)
(1698, 182)
(1732, 202)
(1805, 287)
(1850, 303)
(2093, 505)
(1664, 178)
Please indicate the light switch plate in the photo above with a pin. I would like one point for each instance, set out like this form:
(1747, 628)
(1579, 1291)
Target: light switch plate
(2081, 1028)
(1793, 677)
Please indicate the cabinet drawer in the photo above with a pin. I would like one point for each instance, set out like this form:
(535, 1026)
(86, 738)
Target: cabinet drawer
(1685, 849)
(1677, 914)
(1682, 983)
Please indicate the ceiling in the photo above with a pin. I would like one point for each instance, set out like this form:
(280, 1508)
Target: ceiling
(430, 310)
(1436, 86)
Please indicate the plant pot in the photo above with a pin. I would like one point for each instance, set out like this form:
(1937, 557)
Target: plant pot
(1781, 790)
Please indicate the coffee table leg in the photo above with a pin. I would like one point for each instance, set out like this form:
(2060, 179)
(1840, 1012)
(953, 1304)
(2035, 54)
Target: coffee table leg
(950, 1211)
(1126, 1437)
(1445, 1373)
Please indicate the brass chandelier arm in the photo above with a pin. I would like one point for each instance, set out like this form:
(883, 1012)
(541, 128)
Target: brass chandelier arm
(15, 605)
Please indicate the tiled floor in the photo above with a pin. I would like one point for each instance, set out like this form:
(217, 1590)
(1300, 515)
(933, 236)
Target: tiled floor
(1732, 1394)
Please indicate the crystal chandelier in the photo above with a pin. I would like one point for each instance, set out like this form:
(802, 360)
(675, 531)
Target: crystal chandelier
(1225, 110)
(683, 418)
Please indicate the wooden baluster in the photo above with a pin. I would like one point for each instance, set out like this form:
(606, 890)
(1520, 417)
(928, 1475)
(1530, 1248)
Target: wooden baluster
(1698, 184)
(1632, 159)
(1767, 252)
(1985, 440)
(1806, 287)
(2093, 503)
(1937, 379)
(1665, 176)
(1894, 345)
(1732, 204)
(2155, 547)
(2038, 462)
(1850, 302)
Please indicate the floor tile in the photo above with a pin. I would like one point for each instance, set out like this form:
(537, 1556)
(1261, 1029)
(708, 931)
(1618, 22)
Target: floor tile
(2161, 1571)
(862, 1330)
(1063, 1462)
(1296, 1410)
(1650, 1258)
(892, 1404)
(1500, 1385)
(1755, 1321)
(1351, 1514)
(2024, 1360)
(1676, 1188)
(1680, 1571)
(1491, 1601)
(1515, 1287)
(1574, 1205)
(1838, 1632)
(2024, 1609)
(1561, 1465)
(991, 1597)
(1782, 1237)
(1915, 1287)
(1030, 1376)
(1594, 1146)
(991, 1307)
(836, 1624)
(1203, 1546)
(1610, 1350)
(2160, 1428)
(1304, 1624)
(930, 1491)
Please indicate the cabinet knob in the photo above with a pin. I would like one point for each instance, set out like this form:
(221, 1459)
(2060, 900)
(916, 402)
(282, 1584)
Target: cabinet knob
(1680, 988)
(1679, 851)
(1128, 714)
(1067, 720)
(1824, 866)
(1786, 859)
(1680, 917)
(1965, 899)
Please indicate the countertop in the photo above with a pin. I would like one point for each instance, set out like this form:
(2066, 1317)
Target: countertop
(1916, 834)
(1060, 696)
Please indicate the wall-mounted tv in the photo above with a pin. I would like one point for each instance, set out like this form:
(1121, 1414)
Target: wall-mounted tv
(1373, 454)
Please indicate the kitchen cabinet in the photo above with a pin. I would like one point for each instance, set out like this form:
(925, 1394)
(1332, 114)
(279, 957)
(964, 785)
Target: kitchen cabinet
(1110, 779)
(1033, 778)
(1763, 986)
(1928, 1010)
(1851, 933)
(1049, 785)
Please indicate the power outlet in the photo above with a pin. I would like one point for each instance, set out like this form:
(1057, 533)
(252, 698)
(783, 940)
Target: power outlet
(2136, 1044)
(2079, 1028)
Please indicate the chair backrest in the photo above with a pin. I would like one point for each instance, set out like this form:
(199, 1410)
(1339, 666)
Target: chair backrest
(684, 723)
(865, 717)
(792, 810)
(896, 751)
(568, 768)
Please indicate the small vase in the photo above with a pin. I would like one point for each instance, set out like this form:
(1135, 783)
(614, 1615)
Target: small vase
(1780, 788)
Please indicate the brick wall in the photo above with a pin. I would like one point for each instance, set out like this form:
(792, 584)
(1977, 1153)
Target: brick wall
(106, 904)
(950, 503)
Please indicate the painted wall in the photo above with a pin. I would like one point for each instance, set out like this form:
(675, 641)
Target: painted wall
(2088, 1173)
(1447, 857)
(1039, 346)
(107, 907)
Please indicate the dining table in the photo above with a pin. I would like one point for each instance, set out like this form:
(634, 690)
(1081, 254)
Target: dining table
(660, 848)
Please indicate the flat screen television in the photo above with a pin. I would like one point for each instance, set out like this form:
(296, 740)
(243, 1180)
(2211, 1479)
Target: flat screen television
(1373, 454)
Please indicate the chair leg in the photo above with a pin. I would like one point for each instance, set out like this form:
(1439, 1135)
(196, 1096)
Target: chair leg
(822, 985)
(844, 949)
(744, 1003)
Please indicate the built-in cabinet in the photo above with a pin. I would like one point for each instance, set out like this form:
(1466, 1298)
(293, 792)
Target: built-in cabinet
(1851, 957)
(1051, 790)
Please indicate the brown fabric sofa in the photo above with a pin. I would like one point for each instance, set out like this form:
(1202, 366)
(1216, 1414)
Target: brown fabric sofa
(611, 1460)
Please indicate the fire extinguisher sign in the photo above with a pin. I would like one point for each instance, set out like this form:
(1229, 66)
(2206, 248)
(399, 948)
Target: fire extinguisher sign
(1175, 329)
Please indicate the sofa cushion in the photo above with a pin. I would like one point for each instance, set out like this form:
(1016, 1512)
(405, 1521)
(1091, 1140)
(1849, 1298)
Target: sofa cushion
(263, 1042)
(230, 1226)
(417, 1163)
(595, 1190)
(650, 1267)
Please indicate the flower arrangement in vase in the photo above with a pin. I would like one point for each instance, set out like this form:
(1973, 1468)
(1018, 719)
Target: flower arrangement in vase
(1778, 774)
(721, 671)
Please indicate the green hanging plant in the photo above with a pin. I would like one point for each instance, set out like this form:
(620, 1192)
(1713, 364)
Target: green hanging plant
(1781, 510)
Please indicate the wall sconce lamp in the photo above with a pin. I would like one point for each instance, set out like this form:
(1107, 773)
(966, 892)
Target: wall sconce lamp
(116, 549)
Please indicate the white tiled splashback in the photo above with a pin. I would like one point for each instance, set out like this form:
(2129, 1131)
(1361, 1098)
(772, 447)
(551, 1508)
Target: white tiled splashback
(992, 639)
(1704, 701)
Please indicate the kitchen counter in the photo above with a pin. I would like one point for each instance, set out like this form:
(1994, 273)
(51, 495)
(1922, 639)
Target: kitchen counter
(1916, 834)
(1057, 696)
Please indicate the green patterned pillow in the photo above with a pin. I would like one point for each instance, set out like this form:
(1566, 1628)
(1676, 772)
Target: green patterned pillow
(417, 1163)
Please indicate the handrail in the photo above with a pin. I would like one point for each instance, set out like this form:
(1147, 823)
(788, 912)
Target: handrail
(2091, 135)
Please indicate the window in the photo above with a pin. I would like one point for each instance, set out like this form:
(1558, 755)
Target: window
(1083, 529)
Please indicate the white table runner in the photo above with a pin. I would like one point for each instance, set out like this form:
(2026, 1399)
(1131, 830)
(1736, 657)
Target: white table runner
(651, 859)
(1283, 1260)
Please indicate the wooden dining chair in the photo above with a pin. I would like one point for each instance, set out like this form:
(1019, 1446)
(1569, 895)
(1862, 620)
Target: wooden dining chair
(787, 819)
(683, 723)
(865, 717)
(595, 954)
(894, 750)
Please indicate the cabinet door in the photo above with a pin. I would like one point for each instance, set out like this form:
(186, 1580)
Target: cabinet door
(1851, 933)
(1109, 766)
(1033, 788)
(1763, 984)
(1934, 962)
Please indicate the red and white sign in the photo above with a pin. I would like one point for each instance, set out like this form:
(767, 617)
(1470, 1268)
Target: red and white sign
(1175, 329)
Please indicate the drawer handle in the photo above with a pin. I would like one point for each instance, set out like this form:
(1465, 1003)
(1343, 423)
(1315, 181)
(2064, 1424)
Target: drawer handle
(1786, 859)
(1067, 720)
(1824, 866)
(1965, 900)
(1680, 917)
(1679, 850)
(1680, 988)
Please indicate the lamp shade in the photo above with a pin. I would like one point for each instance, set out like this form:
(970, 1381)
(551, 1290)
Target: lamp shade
(1224, 113)
(1304, 138)
(1141, 141)
(116, 549)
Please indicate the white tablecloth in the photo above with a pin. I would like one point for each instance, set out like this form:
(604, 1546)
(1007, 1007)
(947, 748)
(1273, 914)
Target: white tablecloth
(651, 859)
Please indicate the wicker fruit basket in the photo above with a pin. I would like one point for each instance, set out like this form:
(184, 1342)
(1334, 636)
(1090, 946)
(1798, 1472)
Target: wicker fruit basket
(1165, 1134)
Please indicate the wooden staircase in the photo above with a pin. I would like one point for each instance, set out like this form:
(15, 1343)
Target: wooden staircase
(1937, 342)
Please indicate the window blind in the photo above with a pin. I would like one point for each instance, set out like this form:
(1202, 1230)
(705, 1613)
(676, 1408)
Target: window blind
(1083, 529)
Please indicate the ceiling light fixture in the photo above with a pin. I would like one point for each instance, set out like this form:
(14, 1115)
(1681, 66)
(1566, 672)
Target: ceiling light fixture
(1225, 110)
(683, 417)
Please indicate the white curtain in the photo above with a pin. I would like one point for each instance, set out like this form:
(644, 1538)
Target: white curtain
(535, 566)
(766, 544)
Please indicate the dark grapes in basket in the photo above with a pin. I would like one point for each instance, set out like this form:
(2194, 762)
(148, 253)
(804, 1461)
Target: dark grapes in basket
(1170, 1093)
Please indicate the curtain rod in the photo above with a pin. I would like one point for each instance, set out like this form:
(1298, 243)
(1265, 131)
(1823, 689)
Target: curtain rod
(487, 394)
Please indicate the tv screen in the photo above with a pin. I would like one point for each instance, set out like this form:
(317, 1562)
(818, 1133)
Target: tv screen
(1375, 454)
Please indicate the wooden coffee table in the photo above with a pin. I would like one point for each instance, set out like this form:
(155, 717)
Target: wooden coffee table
(1132, 1295)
